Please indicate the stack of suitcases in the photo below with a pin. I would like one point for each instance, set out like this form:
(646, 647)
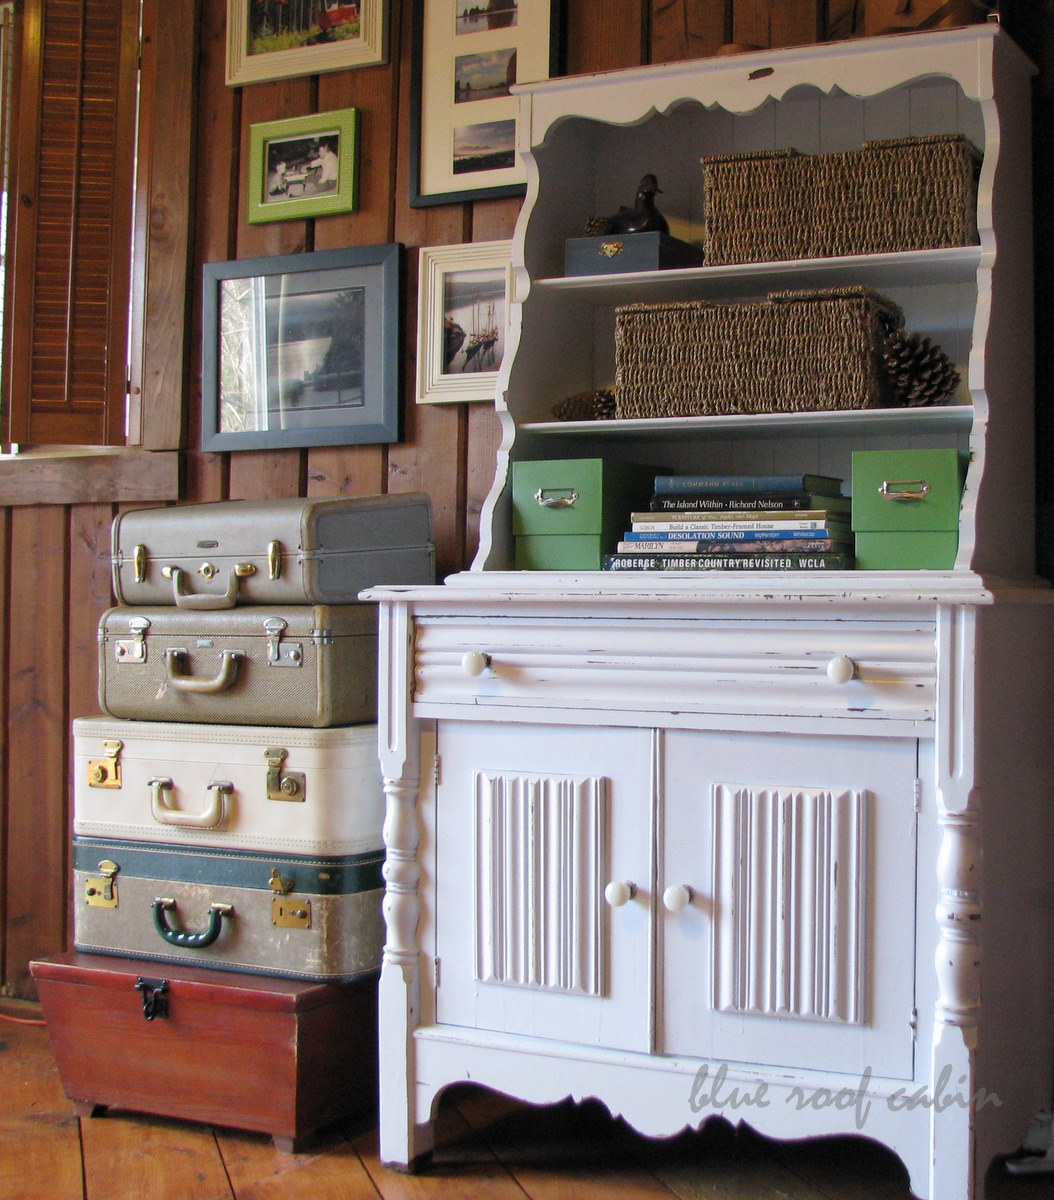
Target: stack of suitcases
(227, 844)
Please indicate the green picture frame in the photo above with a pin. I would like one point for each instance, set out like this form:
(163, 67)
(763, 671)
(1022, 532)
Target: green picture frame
(303, 167)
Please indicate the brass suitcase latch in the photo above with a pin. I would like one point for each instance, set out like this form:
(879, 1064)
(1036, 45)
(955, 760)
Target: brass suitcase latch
(283, 785)
(100, 891)
(106, 772)
(287, 912)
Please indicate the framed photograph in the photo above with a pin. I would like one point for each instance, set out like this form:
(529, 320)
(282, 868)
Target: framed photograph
(275, 39)
(304, 166)
(301, 349)
(467, 54)
(463, 315)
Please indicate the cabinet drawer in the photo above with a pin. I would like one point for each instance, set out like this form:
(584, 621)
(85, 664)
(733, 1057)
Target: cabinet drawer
(785, 668)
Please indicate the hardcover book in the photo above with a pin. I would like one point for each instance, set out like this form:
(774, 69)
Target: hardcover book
(747, 502)
(816, 526)
(749, 518)
(823, 485)
(769, 546)
(727, 562)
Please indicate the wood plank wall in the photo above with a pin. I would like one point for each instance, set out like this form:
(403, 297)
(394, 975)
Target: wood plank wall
(54, 574)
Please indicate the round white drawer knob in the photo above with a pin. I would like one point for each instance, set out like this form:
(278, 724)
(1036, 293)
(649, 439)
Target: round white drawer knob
(619, 892)
(475, 662)
(841, 669)
(677, 896)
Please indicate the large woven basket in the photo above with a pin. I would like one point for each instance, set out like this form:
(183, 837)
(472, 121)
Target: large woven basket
(908, 194)
(794, 352)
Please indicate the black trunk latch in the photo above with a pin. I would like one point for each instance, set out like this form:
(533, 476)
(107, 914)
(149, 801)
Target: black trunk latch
(155, 1000)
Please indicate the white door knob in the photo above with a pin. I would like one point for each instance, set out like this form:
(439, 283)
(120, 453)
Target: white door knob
(841, 669)
(677, 896)
(475, 662)
(619, 892)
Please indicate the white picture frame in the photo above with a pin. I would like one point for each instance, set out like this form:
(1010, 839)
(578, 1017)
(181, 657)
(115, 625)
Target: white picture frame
(311, 50)
(463, 297)
(463, 114)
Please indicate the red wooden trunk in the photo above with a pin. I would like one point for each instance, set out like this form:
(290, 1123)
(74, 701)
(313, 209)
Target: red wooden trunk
(279, 1056)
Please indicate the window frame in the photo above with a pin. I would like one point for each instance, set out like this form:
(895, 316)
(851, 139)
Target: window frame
(144, 464)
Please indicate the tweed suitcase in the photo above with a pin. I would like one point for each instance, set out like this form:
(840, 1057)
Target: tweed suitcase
(287, 551)
(240, 787)
(305, 665)
(282, 1057)
(292, 915)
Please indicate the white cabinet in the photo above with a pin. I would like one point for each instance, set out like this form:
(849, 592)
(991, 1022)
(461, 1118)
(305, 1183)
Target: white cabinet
(790, 829)
(686, 893)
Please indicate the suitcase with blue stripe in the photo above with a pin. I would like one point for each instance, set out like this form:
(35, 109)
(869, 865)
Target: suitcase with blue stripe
(303, 917)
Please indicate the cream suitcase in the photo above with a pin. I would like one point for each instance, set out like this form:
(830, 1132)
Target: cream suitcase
(235, 910)
(240, 787)
(285, 551)
(304, 665)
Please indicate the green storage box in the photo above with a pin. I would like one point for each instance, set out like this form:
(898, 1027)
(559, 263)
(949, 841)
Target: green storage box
(905, 508)
(568, 513)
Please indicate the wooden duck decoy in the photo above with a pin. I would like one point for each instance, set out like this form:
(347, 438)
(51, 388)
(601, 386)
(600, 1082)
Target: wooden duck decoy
(643, 217)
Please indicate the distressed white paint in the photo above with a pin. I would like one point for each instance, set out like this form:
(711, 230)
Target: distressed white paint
(790, 870)
(933, 758)
(539, 844)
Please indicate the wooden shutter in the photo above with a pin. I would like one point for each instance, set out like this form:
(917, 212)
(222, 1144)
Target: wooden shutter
(70, 225)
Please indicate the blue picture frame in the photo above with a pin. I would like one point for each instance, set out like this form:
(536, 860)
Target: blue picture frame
(302, 349)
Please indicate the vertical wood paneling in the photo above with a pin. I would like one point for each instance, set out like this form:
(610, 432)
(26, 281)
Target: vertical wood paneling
(162, 231)
(360, 470)
(750, 22)
(217, 170)
(55, 577)
(683, 29)
(89, 597)
(257, 475)
(431, 456)
(603, 35)
(37, 723)
(5, 841)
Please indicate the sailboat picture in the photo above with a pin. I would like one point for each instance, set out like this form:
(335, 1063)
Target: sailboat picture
(473, 320)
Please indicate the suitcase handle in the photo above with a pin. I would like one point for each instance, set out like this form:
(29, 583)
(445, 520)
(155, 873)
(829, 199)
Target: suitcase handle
(193, 683)
(165, 813)
(227, 599)
(180, 937)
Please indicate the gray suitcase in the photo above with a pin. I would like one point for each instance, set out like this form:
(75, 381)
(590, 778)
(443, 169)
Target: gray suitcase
(306, 665)
(288, 551)
(303, 917)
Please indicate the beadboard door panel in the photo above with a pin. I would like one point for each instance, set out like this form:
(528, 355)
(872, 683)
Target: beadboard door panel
(535, 828)
(793, 946)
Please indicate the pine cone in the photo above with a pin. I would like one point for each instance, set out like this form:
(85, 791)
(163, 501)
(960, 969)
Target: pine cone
(597, 405)
(604, 403)
(597, 226)
(919, 373)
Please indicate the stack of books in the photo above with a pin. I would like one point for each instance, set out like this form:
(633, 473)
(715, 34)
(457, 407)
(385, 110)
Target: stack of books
(739, 522)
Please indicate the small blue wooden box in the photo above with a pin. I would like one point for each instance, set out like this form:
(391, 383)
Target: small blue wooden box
(617, 253)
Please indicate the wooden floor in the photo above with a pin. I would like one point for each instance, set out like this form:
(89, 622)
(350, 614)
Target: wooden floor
(487, 1147)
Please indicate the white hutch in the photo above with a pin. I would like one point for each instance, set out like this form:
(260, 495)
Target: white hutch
(772, 846)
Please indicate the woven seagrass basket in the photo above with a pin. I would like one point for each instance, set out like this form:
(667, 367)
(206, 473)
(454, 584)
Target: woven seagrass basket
(798, 351)
(905, 194)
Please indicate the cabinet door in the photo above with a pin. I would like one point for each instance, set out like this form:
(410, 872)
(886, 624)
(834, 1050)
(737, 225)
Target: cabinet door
(796, 945)
(532, 823)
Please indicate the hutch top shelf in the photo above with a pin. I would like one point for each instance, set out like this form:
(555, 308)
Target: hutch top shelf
(587, 140)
